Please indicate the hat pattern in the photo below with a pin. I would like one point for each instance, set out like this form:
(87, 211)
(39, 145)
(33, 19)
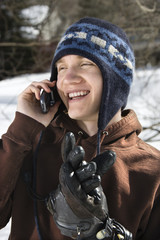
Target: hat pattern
(100, 43)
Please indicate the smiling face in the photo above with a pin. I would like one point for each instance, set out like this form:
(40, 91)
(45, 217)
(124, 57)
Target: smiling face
(79, 84)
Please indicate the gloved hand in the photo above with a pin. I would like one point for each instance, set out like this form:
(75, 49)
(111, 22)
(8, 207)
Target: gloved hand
(82, 180)
(81, 186)
(79, 206)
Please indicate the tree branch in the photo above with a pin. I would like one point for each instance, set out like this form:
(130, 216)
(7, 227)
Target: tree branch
(146, 9)
(31, 44)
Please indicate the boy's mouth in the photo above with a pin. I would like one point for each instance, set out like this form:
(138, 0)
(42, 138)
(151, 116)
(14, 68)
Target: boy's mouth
(78, 94)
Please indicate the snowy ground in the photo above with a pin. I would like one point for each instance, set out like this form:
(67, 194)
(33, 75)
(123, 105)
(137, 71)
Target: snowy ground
(144, 98)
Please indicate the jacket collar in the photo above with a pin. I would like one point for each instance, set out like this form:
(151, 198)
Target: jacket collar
(124, 128)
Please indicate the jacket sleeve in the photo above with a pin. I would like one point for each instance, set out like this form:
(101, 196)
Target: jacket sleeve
(153, 227)
(14, 147)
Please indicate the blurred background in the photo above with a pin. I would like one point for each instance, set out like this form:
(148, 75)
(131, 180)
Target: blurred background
(30, 30)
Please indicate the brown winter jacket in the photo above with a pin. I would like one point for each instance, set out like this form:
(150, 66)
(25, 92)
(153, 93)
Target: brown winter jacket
(132, 184)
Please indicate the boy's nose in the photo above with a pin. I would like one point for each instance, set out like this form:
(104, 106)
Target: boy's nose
(72, 75)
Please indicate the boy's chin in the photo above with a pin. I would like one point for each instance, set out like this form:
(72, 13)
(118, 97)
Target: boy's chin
(75, 116)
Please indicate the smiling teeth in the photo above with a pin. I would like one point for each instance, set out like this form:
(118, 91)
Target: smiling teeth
(77, 94)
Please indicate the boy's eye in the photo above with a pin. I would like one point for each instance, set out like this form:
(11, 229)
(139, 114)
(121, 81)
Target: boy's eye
(61, 68)
(86, 64)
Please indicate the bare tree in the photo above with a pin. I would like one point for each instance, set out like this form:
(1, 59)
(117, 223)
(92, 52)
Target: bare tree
(21, 43)
(21, 50)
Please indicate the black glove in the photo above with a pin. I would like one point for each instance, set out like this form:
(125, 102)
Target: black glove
(79, 205)
(81, 186)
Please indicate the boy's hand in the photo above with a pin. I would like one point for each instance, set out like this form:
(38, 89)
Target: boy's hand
(81, 181)
(28, 102)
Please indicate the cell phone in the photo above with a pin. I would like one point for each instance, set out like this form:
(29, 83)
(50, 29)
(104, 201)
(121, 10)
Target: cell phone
(48, 100)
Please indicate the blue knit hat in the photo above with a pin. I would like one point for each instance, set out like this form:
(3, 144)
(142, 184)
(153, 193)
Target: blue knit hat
(108, 46)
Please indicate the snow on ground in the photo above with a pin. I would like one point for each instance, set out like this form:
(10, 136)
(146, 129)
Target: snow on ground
(144, 97)
(145, 100)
